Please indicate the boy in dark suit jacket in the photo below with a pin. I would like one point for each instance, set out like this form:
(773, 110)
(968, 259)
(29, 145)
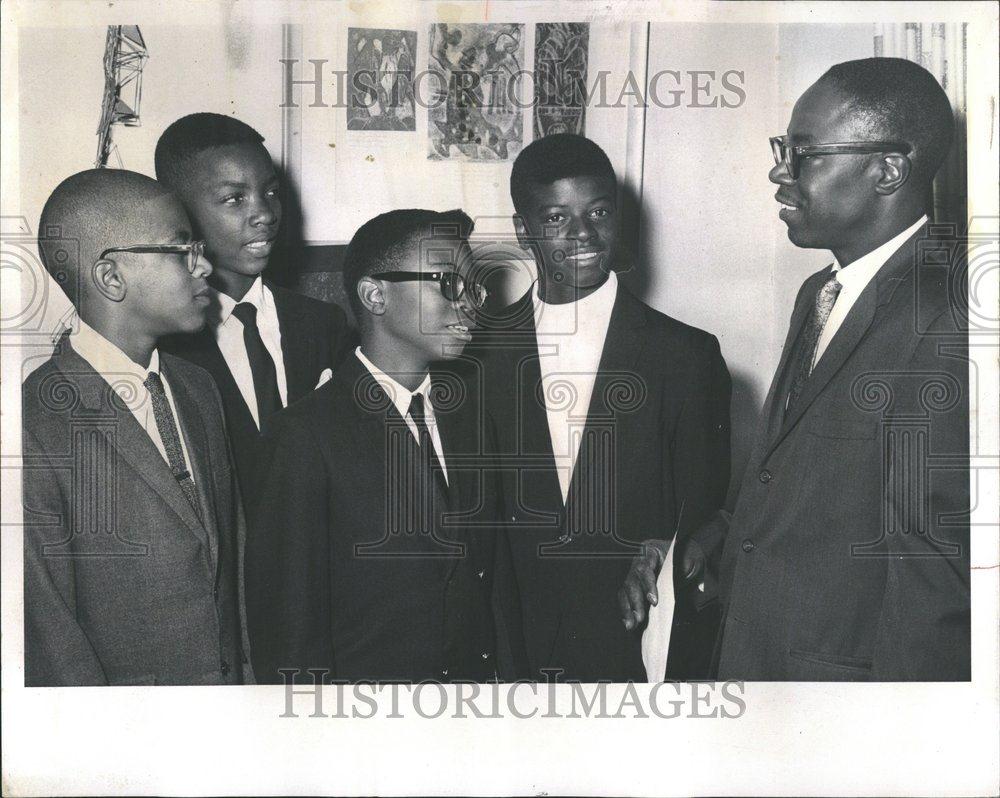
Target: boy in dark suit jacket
(133, 526)
(612, 418)
(371, 552)
(265, 346)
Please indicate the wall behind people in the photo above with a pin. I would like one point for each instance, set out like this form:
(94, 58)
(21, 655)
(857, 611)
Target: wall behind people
(224, 68)
(714, 253)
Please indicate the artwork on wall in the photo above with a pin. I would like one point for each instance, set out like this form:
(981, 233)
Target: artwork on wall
(561, 56)
(380, 67)
(476, 114)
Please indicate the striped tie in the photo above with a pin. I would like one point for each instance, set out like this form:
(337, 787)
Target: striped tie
(166, 424)
(826, 297)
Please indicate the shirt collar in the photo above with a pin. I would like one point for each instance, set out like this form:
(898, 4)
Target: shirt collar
(107, 359)
(858, 274)
(257, 295)
(399, 394)
(603, 299)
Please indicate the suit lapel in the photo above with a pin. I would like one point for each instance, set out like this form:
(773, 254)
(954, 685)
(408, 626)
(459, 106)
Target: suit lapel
(298, 347)
(615, 376)
(775, 403)
(194, 432)
(853, 330)
(131, 441)
(203, 350)
(541, 482)
(457, 443)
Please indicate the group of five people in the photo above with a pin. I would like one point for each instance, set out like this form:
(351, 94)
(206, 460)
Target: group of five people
(225, 482)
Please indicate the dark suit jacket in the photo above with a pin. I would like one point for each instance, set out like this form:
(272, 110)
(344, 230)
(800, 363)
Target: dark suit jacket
(654, 459)
(122, 582)
(314, 337)
(847, 554)
(333, 579)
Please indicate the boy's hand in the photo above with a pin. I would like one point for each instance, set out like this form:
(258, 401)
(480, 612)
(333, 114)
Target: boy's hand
(640, 583)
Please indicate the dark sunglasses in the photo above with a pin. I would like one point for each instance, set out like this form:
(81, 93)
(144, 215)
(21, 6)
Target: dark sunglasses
(791, 155)
(452, 284)
(193, 250)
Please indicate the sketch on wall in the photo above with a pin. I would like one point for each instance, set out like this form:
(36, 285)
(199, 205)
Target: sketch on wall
(561, 56)
(476, 115)
(380, 66)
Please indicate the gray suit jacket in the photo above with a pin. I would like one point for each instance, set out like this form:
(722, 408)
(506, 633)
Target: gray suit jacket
(123, 584)
(846, 553)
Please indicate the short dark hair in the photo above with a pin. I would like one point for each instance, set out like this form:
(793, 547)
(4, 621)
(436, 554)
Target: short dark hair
(897, 99)
(193, 134)
(381, 244)
(553, 158)
(87, 213)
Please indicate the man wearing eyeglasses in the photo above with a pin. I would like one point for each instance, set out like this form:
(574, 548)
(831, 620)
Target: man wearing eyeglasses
(846, 552)
(133, 525)
(365, 559)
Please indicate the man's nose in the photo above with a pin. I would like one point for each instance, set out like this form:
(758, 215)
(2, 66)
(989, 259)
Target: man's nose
(263, 214)
(203, 268)
(581, 230)
(779, 175)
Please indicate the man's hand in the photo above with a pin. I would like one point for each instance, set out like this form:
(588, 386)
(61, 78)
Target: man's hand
(639, 589)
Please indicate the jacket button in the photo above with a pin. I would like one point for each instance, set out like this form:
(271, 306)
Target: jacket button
(764, 476)
(748, 545)
(224, 667)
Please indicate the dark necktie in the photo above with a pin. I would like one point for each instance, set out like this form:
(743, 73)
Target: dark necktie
(265, 378)
(166, 424)
(826, 297)
(430, 458)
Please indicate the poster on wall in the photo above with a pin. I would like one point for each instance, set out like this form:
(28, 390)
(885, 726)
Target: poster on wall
(475, 115)
(380, 75)
(561, 57)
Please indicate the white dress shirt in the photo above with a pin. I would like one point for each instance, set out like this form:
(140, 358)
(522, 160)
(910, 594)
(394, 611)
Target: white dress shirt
(229, 335)
(570, 340)
(401, 396)
(127, 378)
(854, 278)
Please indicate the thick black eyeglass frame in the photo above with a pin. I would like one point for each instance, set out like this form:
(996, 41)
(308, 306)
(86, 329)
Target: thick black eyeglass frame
(791, 154)
(194, 250)
(453, 286)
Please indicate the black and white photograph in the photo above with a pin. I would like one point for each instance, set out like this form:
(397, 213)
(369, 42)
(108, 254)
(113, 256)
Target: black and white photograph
(561, 74)
(511, 397)
(478, 67)
(380, 73)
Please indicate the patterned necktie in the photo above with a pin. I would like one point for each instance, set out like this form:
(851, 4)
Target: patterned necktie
(826, 297)
(430, 458)
(265, 378)
(166, 424)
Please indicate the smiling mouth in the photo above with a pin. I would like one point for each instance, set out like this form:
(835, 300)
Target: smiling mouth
(260, 248)
(460, 331)
(785, 204)
(584, 257)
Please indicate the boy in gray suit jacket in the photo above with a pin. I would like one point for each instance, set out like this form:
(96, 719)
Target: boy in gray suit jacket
(133, 528)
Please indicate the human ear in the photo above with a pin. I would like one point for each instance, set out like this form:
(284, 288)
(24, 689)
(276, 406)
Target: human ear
(895, 171)
(108, 280)
(371, 295)
(523, 239)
